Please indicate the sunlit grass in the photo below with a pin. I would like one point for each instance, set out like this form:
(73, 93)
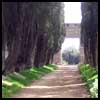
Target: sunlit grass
(90, 76)
(12, 83)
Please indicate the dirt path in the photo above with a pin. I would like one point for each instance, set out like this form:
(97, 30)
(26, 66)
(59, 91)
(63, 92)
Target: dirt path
(65, 82)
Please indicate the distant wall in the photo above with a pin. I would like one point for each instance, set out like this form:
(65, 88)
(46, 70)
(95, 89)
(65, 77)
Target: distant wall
(81, 54)
(72, 30)
(57, 58)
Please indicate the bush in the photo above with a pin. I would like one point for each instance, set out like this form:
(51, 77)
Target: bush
(71, 55)
(90, 76)
(94, 89)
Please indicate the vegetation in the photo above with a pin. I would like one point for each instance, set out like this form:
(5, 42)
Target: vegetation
(89, 32)
(71, 55)
(31, 34)
(89, 40)
(12, 83)
(90, 76)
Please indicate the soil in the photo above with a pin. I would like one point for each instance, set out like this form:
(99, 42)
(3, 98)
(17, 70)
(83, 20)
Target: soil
(65, 82)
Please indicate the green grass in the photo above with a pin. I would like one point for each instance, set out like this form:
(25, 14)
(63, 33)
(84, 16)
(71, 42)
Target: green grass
(12, 83)
(90, 76)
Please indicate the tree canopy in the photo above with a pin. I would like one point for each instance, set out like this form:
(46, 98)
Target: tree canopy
(32, 33)
(89, 32)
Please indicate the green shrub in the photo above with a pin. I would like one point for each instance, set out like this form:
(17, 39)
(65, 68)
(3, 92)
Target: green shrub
(94, 89)
(90, 76)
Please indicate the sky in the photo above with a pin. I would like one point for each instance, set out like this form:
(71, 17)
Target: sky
(72, 15)
(72, 12)
(71, 42)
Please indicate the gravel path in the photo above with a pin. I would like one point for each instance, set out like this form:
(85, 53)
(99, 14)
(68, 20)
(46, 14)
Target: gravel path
(65, 82)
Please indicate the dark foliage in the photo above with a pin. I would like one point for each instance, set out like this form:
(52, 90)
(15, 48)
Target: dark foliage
(89, 31)
(31, 33)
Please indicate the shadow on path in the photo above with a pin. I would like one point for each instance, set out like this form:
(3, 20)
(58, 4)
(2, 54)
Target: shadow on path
(65, 82)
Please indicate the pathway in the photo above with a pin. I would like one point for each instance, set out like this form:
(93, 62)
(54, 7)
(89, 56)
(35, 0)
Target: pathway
(65, 82)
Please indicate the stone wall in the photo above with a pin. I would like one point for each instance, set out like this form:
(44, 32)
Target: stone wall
(73, 30)
(81, 54)
(57, 58)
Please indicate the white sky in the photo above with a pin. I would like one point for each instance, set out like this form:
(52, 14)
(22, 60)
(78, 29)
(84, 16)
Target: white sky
(71, 42)
(72, 12)
(72, 15)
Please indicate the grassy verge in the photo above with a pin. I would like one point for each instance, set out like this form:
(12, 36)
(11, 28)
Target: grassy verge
(90, 76)
(12, 83)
